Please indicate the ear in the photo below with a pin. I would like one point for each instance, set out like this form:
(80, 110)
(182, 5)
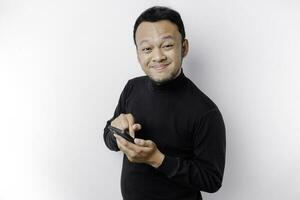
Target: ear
(185, 47)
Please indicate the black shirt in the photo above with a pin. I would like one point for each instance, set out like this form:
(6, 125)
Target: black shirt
(187, 128)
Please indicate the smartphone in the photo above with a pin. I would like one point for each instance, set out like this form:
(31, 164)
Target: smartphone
(124, 134)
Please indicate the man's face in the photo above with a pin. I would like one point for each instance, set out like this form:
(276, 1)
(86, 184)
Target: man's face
(160, 50)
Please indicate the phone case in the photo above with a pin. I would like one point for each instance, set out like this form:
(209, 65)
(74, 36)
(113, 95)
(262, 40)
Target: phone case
(124, 134)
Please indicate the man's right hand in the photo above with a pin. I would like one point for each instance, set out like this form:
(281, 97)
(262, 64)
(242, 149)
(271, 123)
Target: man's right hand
(126, 122)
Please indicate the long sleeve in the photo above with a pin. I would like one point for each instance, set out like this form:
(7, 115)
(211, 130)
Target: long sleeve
(203, 172)
(109, 139)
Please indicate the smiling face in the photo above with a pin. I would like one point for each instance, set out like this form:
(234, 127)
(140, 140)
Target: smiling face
(160, 50)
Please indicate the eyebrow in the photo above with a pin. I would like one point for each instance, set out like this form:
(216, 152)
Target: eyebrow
(163, 38)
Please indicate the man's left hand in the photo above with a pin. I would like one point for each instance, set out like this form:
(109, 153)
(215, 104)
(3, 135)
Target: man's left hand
(142, 151)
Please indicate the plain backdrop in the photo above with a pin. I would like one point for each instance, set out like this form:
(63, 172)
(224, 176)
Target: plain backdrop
(63, 64)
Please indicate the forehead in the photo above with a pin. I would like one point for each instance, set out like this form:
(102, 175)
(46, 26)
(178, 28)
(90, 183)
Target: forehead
(156, 30)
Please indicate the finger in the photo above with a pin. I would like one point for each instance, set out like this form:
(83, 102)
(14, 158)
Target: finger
(139, 142)
(126, 143)
(130, 120)
(124, 122)
(148, 143)
(127, 151)
(144, 143)
(123, 145)
(137, 127)
(120, 139)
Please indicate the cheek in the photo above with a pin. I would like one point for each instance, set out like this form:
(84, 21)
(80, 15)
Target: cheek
(144, 60)
(174, 55)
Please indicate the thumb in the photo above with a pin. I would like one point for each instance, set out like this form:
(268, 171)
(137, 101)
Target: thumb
(144, 143)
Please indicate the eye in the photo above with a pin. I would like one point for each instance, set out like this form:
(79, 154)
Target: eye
(146, 49)
(168, 46)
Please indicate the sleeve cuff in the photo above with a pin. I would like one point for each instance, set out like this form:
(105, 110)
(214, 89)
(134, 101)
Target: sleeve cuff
(169, 166)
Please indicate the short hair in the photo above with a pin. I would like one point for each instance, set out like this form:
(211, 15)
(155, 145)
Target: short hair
(157, 13)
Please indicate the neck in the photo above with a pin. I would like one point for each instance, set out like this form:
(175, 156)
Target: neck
(166, 82)
(172, 84)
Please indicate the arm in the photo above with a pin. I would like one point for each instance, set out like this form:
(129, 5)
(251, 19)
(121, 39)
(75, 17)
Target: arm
(109, 139)
(204, 172)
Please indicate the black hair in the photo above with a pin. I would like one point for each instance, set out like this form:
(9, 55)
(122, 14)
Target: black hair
(157, 13)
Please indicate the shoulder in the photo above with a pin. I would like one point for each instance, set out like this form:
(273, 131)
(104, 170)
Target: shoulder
(200, 101)
(205, 110)
(134, 84)
(137, 80)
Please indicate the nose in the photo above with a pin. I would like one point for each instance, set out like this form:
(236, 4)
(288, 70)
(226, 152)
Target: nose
(158, 56)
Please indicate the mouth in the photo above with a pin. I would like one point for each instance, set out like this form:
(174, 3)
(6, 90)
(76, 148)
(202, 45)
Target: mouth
(160, 66)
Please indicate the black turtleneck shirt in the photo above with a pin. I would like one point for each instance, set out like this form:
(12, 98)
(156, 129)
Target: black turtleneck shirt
(187, 128)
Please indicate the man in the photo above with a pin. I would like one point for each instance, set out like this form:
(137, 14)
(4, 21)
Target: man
(179, 145)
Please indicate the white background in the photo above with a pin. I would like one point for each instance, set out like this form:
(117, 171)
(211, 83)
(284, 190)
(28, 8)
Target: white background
(63, 64)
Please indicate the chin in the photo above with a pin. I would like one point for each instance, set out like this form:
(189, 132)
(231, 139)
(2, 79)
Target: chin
(160, 81)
